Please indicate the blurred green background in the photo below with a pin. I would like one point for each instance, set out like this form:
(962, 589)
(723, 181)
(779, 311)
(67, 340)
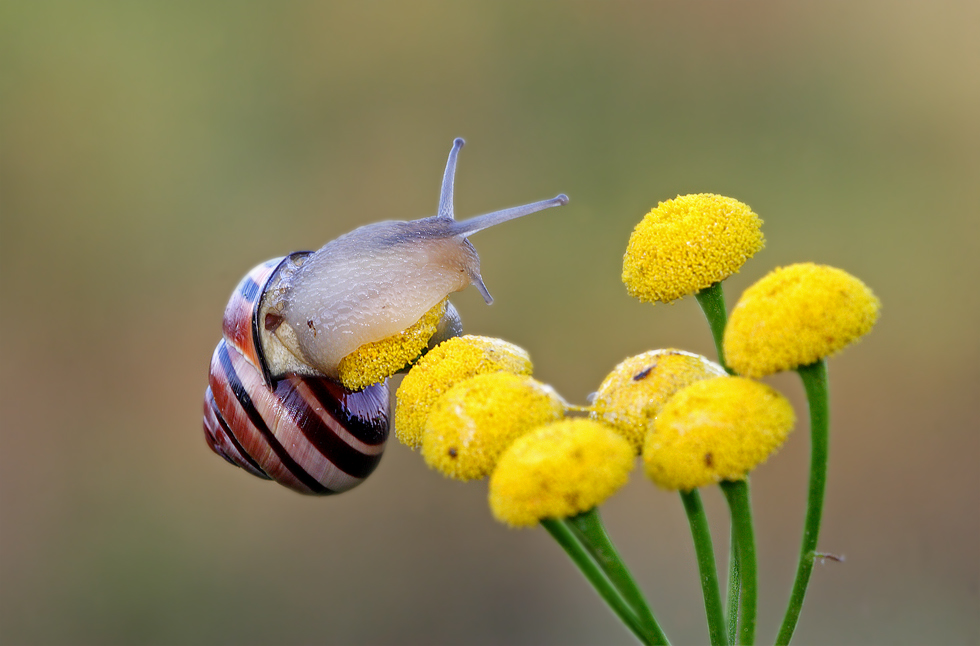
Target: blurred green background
(151, 153)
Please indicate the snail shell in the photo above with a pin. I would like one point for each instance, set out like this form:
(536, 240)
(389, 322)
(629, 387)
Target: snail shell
(273, 406)
(308, 433)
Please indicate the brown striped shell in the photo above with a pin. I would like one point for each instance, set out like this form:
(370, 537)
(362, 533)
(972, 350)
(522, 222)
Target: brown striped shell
(308, 433)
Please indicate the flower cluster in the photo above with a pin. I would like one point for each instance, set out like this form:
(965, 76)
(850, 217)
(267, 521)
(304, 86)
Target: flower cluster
(689, 243)
(636, 390)
(715, 429)
(374, 362)
(559, 470)
(442, 368)
(471, 425)
(795, 316)
(474, 410)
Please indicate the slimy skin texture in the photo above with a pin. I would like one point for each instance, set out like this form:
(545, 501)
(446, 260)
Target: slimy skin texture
(374, 282)
(369, 285)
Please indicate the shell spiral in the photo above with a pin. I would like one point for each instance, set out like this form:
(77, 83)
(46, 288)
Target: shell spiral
(307, 433)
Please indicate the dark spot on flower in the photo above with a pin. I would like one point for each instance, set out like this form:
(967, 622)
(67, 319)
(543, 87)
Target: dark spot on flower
(643, 373)
(311, 326)
(709, 460)
(452, 452)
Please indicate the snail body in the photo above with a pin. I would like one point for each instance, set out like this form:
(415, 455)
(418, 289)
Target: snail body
(273, 406)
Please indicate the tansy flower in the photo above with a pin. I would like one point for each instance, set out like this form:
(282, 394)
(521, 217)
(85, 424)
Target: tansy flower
(636, 390)
(443, 367)
(471, 425)
(713, 430)
(376, 361)
(687, 244)
(796, 315)
(559, 470)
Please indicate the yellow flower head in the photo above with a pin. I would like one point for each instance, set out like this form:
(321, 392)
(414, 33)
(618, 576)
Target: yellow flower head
(796, 315)
(557, 471)
(716, 429)
(633, 393)
(378, 360)
(687, 244)
(471, 425)
(443, 367)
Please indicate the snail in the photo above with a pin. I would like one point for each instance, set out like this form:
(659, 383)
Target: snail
(273, 405)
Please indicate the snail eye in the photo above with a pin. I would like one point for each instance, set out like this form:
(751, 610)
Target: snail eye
(272, 322)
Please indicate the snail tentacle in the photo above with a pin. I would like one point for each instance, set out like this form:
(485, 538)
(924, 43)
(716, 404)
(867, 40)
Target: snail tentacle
(449, 181)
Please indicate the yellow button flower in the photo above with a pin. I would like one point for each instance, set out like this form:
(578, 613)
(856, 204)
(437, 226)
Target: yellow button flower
(376, 361)
(635, 391)
(689, 243)
(796, 315)
(716, 429)
(443, 367)
(559, 470)
(471, 425)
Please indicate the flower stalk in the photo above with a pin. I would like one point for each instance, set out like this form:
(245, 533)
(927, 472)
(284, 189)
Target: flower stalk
(734, 588)
(712, 302)
(570, 541)
(594, 537)
(706, 566)
(815, 383)
(742, 612)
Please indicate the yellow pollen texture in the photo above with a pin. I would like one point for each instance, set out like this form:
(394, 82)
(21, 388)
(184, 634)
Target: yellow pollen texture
(716, 429)
(559, 470)
(378, 360)
(795, 316)
(443, 367)
(687, 244)
(471, 425)
(635, 391)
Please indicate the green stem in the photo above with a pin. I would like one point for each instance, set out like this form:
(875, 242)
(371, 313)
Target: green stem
(706, 565)
(595, 539)
(712, 302)
(573, 547)
(734, 588)
(815, 383)
(743, 535)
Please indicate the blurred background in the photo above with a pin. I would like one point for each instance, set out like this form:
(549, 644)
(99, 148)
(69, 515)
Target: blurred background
(152, 153)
